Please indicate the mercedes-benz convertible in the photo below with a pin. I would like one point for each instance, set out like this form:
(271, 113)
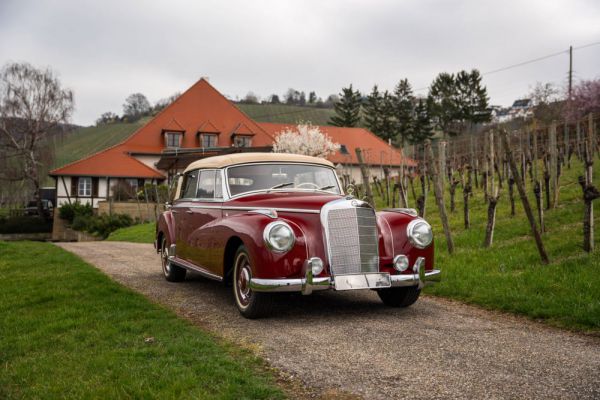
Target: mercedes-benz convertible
(273, 222)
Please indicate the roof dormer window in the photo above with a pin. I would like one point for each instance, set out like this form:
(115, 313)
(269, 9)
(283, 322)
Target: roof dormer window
(208, 140)
(173, 139)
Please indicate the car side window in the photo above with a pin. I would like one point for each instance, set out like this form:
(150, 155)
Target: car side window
(190, 183)
(206, 185)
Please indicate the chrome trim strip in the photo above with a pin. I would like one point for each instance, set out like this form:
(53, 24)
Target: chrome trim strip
(407, 211)
(235, 208)
(188, 265)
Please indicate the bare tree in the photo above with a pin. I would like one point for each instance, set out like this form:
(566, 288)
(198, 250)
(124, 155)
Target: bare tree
(32, 104)
(546, 98)
(136, 105)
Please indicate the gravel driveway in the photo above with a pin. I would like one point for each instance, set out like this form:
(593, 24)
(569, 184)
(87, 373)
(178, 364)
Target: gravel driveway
(351, 342)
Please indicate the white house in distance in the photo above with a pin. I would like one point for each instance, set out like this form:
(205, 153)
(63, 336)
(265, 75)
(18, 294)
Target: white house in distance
(202, 123)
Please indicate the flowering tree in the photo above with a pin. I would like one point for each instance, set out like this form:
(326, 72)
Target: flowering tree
(305, 139)
(584, 100)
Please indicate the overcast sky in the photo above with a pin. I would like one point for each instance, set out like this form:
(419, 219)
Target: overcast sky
(106, 49)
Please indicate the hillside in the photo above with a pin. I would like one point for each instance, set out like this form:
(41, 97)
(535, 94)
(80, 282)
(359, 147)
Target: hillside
(88, 140)
(281, 113)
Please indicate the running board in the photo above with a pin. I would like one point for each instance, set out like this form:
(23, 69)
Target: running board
(192, 267)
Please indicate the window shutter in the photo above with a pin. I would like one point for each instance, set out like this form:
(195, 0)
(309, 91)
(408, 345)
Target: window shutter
(74, 186)
(94, 187)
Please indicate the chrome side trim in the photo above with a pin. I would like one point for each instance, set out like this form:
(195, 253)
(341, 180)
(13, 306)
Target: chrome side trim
(408, 211)
(188, 265)
(292, 210)
(261, 209)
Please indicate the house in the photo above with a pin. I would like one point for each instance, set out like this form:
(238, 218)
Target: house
(200, 123)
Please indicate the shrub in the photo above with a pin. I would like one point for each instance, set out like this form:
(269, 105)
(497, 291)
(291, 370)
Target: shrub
(70, 211)
(25, 224)
(101, 225)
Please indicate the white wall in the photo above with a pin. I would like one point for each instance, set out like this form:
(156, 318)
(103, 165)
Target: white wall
(150, 161)
(61, 193)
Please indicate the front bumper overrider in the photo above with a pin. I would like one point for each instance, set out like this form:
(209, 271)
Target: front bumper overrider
(420, 277)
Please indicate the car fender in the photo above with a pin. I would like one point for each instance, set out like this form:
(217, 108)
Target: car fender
(394, 240)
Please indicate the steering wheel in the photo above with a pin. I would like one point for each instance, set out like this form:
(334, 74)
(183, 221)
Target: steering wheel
(309, 184)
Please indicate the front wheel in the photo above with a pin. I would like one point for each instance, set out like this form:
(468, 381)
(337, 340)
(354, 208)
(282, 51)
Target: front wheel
(172, 272)
(250, 304)
(399, 296)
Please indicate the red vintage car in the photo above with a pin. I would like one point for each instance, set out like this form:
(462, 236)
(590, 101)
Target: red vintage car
(269, 222)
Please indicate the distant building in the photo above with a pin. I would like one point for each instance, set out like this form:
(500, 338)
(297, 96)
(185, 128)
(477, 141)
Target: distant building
(522, 108)
(201, 123)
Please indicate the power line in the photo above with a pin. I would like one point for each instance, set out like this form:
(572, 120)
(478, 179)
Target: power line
(529, 61)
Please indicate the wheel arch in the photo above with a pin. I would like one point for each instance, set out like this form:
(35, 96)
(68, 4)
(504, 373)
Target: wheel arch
(233, 243)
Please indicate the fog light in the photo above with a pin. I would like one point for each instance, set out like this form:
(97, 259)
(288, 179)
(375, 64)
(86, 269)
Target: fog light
(400, 263)
(316, 265)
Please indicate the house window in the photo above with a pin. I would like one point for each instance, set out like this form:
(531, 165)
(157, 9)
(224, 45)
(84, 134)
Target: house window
(173, 139)
(133, 183)
(208, 140)
(84, 187)
(242, 141)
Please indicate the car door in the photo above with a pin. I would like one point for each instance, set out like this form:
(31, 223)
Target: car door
(181, 212)
(205, 209)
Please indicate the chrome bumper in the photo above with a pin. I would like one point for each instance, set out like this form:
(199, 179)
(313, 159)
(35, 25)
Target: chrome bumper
(309, 283)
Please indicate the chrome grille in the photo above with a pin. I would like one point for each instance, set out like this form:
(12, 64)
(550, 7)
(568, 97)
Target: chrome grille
(352, 240)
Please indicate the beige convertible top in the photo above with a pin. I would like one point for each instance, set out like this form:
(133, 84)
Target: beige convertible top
(243, 158)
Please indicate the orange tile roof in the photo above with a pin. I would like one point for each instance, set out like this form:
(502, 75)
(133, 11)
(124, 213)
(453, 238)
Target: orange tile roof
(207, 127)
(113, 161)
(375, 150)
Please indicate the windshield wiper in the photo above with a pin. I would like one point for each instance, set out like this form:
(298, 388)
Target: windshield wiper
(282, 185)
(327, 187)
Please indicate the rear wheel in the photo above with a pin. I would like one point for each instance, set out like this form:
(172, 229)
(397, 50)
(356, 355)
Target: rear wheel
(400, 296)
(250, 304)
(172, 272)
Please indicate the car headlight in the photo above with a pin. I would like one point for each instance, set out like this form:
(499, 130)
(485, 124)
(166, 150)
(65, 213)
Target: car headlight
(419, 233)
(279, 236)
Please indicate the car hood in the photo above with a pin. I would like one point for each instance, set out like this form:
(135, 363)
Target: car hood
(287, 200)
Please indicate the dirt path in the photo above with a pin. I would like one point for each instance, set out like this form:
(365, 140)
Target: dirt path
(351, 342)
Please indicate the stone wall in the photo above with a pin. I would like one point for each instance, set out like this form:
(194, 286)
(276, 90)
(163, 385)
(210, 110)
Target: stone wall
(62, 233)
(140, 211)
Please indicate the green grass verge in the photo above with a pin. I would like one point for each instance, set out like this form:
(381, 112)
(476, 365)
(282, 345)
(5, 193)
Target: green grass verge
(68, 331)
(141, 233)
(509, 276)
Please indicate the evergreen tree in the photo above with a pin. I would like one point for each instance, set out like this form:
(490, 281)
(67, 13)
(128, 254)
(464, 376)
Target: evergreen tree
(422, 124)
(442, 103)
(312, 98)
(372, 110)
(388, 120)
(471, 99)
(403, 111)
(347, 109)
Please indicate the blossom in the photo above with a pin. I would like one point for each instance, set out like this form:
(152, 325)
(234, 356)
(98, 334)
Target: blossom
(305, 139)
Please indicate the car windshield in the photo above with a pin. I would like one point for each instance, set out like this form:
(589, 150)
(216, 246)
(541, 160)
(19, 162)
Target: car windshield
(258, 177)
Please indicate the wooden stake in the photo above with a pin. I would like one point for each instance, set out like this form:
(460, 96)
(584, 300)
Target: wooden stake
(439, 197)
(364, 171)
(524, 199)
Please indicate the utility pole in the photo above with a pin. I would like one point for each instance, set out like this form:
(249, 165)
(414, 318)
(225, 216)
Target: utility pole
(570, 70)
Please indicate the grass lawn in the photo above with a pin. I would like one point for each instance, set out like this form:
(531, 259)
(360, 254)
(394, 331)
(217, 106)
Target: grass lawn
(141, 233)
(68, 331)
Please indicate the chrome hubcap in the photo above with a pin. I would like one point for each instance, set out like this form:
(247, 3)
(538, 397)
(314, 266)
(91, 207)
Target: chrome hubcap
(165, 258)
(243, 277)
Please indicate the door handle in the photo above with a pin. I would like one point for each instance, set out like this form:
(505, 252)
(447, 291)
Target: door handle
(174, 211)
(189, 212)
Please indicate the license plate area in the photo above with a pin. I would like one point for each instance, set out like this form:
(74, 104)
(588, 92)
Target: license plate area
(372, 280)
